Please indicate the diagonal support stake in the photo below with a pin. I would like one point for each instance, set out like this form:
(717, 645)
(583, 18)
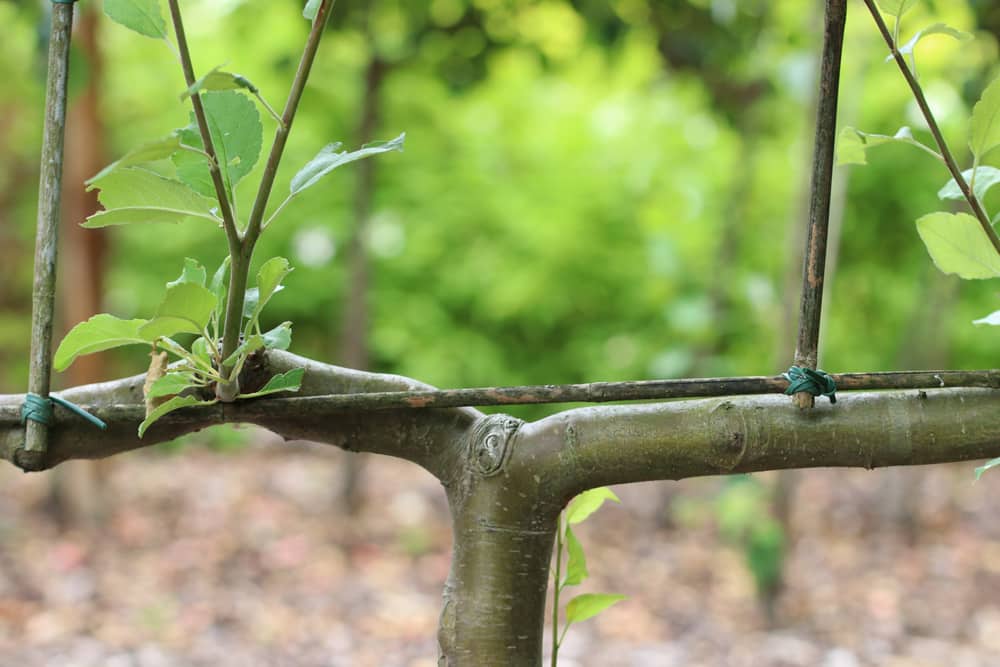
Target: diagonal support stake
(46, 238)
(806, 349)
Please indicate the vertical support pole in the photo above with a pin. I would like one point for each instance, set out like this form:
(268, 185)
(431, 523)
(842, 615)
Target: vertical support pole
(807, 346)
(46, 238)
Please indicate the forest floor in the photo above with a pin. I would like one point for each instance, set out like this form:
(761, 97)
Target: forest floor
(247, 558)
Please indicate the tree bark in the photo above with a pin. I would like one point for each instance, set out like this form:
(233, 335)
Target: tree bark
(506, 480)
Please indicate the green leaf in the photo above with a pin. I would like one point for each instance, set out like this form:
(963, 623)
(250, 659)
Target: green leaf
(958, 244)
(159, 149)
(218, 286)
(236, 131)
(852, 144)
(100, 332)
(895, 7)
(186, 308)
(193, 272)
(279, 338)
(576, 566)
(287, 381)
(993, 319)
(329, 159)
(984, 130)
(216, 79)
(247, 347)
(142, 16)
(986, 178)
(587, 503)
(992, 463)
(175, 403)
(269, 280)
(312, 6)
(171, 384)
(201, 350)
(935, 29)
(589, 605)
(138, 195)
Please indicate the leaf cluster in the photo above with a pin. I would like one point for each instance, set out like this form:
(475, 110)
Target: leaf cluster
(193, 173)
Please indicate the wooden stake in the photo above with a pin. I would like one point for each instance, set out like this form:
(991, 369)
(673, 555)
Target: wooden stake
(806, 350)
(46, 239)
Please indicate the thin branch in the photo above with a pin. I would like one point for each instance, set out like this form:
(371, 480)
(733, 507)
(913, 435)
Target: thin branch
(228, 220)
(949, 160)
(807, 347)
(287, 116)
(241, 265)
(599, 392)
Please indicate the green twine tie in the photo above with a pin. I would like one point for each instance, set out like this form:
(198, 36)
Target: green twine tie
(817, 383)
(39, 409)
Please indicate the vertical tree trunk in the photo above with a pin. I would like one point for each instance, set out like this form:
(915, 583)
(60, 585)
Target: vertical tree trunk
(494, 599)
(353, 351)
(77, 494)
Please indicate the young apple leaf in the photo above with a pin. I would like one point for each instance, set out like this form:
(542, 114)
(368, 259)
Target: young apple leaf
(329, 159)
(172, 384)
(100, 332)
(138, 195)
(587, 503)
(957, 244)
(193, 272)
(852, 144)
(993, 319)
(312, 6)
(175, 403)
(201, 350)
(589, 605)
(992, 463)
(287, 381)
(269, 280)
(278, 338)
(142, 16)
(576, 565)
(986, 178)
(246, 348)
(217, 79)
(935, 29)
(151, 151)
(895, 7)
(236, 131)
(984, 130)
(185, 308)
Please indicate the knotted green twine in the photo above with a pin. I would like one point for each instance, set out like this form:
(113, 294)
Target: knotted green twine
(39, 409)
(817, 383)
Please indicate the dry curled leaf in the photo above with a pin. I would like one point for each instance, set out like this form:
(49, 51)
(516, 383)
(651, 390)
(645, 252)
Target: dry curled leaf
(157, 369)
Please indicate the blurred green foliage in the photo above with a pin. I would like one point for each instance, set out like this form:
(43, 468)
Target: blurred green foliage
(590, 190)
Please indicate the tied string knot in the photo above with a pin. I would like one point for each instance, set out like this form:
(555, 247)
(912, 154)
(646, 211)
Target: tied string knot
(39, 409)
(815, 382)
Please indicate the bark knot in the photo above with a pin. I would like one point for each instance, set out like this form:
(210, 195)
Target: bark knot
(489, 444)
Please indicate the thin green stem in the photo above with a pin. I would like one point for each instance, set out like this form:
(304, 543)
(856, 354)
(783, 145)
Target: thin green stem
(274, 114)
(276, 211)
(949, 160)
(556, 639)
(241, 259)
(228, 220)
(287, 116)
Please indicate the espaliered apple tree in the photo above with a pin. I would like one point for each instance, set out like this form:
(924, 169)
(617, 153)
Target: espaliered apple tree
(507, 482)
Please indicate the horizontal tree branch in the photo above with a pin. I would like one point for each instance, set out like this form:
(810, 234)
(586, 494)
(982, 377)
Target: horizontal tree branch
(580, 448)
(596, 446)
(424, 437)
